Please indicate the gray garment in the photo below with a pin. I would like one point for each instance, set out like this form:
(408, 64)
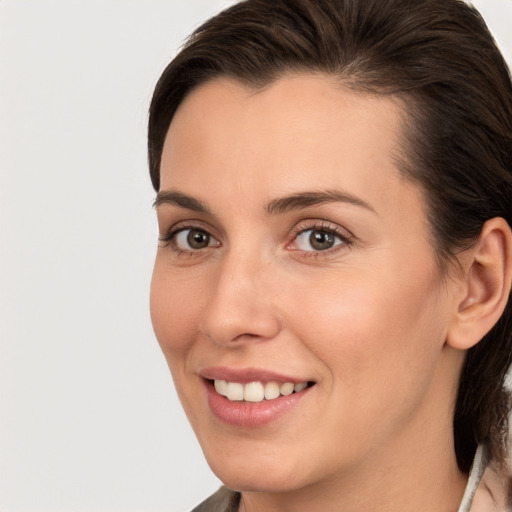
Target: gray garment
(489, 489)
(224, 500)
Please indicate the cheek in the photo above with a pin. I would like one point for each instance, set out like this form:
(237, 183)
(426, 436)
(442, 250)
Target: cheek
(374, 326)
(378, 344)
(174, 306)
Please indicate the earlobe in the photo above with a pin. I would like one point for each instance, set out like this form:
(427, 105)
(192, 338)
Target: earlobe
(486, 283)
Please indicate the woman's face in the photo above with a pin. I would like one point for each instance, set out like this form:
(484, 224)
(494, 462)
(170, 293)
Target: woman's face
(293, 252)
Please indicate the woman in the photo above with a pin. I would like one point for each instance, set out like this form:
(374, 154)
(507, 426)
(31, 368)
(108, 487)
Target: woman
(331, 290)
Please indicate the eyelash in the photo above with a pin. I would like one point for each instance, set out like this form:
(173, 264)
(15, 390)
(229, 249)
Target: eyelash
(169, 240)
(346, 239)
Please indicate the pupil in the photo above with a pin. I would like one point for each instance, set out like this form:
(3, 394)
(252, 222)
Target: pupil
(198, 239)
(321, 240)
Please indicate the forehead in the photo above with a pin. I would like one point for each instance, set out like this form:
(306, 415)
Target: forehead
(294, 105)
(299, 131)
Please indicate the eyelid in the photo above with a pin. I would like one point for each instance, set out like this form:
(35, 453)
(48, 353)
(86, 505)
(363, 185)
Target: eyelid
(167, 238)
(346, 237)
(343, 234)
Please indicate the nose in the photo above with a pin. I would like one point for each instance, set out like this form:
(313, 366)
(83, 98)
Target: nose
(241, 304)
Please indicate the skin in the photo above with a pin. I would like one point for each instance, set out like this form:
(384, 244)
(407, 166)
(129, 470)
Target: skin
(366, 320)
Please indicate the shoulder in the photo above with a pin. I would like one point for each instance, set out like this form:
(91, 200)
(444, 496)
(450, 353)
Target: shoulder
(224, 500)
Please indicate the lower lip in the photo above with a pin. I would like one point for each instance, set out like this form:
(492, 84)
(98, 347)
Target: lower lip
(251, 414)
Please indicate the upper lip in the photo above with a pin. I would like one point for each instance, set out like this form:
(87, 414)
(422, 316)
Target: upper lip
(245, 375)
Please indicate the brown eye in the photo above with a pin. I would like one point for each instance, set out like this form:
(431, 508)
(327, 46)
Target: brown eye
(315, 240)
(193, 239)
(198, 239)
(321, 240)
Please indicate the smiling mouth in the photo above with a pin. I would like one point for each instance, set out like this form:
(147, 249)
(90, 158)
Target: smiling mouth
(257, 391)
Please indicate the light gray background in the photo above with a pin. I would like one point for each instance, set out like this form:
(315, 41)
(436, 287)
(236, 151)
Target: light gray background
(89, 420)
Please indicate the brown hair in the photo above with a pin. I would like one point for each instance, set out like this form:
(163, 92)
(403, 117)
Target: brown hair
(437, 55)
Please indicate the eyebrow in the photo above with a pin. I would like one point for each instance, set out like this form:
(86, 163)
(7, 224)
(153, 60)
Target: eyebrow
(182, 200)
(277, 206)
(305, 199)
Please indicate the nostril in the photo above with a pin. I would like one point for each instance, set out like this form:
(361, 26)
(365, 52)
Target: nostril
(247, 336)
(229, 322)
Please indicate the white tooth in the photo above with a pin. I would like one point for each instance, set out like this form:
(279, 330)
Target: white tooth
(234, 391)
(221, 387)
(300, 386)
(286, 388)
(254, 392)
(271, 390)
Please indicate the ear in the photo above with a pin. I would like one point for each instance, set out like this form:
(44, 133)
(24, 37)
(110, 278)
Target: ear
(485, 285)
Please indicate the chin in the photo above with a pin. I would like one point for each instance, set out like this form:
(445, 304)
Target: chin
(256, 482)
(269, 475)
